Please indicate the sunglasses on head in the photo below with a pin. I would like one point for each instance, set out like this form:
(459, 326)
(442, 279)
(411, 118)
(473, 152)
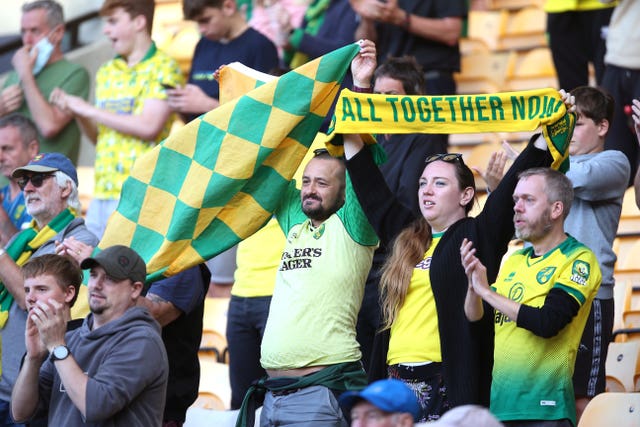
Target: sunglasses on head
(319, 151)
(445, 157)
(36, 179)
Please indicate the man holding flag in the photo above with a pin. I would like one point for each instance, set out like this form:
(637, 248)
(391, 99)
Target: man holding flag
(219, 179)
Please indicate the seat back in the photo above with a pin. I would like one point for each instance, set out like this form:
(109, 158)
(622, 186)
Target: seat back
(622, 365)
(612, 409)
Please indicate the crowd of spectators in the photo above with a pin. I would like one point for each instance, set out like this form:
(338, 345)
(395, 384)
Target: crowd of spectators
(372, 296)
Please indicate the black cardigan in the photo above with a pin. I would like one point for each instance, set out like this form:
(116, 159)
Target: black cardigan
(467, 347)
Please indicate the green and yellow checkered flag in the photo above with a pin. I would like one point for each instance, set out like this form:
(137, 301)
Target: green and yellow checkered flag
(218, 179)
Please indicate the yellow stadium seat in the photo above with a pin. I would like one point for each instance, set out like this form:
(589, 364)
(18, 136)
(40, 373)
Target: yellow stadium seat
(525, 29)
(214, 378)
(630, 215)
(622, 246)
(483, 72)
(216, 343)
(622, 300)
(533, 69)
(215, 314)
(487, 26)
(631, 322)
(622, 366)
(612, 409)
(209, 400)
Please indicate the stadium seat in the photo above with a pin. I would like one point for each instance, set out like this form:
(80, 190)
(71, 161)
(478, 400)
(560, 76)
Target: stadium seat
(209, 400)
(622, 366)
(612, 409)
(215, 314)
(525, 29)
(621, 303)
(630, 215)
(216, 343)
(483, 72)
(214, 378)
(533, 69)
(487, 26)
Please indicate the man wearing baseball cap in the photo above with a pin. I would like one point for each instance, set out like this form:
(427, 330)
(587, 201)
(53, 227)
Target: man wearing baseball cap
(50, 186)
(112, 371)
(384, 403)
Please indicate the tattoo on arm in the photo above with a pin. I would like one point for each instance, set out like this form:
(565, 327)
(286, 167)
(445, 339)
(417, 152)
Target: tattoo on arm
(156, 298)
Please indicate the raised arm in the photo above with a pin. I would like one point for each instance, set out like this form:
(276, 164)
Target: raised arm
(49, 119)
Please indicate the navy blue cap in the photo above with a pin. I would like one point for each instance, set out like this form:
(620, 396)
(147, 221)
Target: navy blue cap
(48, 162)
(389, 395)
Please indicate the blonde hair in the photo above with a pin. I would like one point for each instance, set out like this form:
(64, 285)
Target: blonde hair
(408, 249)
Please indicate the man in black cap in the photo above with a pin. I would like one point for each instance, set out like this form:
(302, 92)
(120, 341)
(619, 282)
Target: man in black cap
(112, 371)
(50, 186)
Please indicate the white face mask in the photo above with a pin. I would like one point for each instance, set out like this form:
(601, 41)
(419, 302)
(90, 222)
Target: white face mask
(44, 49)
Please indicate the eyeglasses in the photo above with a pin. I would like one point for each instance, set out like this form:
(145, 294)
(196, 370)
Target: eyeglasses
(445, 157)
(319, 151)
(36, 180)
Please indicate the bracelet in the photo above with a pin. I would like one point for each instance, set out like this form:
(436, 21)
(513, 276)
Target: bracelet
(407, 21)
(358, 89)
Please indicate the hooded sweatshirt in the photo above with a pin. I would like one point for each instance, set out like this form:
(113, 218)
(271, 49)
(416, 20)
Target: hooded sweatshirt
(127, 366)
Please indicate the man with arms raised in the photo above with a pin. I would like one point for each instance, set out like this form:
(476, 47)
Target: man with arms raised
(316, 299)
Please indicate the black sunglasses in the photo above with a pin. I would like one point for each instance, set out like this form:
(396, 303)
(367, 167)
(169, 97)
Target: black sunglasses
(319, 151)
(445, 157)
(36, 180)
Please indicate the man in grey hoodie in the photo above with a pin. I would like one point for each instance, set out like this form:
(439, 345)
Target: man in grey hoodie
(112, 371)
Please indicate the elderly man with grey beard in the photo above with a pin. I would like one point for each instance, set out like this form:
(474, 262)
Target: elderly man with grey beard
(50, 186)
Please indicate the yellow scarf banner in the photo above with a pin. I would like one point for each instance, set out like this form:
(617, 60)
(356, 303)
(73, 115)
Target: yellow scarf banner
(498, 112)
(358, 113)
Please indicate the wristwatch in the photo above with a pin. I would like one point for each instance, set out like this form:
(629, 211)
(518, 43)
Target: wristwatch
(59, 352)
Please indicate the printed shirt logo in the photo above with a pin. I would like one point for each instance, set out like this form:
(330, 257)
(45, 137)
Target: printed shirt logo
(516, 293)
(299, 258)
(425, 264)
(545, 274)
(318, 232)
(580, 272)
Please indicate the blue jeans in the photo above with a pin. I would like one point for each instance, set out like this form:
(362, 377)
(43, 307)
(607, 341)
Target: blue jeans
(5, 415)
(246, 320)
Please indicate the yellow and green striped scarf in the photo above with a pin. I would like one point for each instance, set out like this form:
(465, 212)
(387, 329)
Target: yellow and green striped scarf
(450, 114)
(314, 17)
(24, 245)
